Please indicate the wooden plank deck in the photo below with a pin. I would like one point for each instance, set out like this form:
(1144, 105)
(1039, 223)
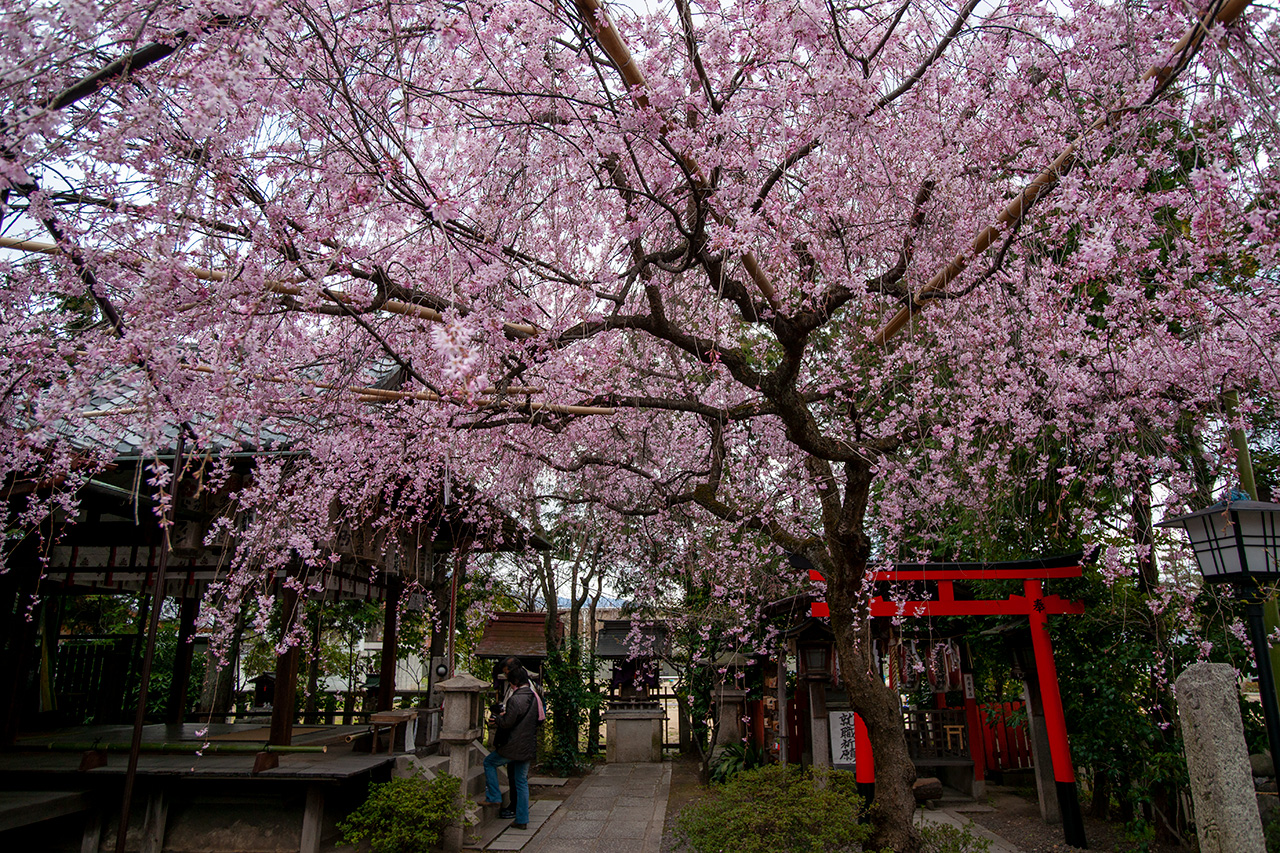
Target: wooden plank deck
(27, 757)
(23, 808)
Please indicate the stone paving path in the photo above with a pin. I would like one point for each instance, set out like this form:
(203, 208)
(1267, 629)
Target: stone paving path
(619, 808)
(958, 819)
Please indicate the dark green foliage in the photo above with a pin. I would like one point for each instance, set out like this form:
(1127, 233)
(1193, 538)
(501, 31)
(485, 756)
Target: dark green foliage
(569, 700)
(403, 815)
(777, 810)
(1271, 833)
(735, 758)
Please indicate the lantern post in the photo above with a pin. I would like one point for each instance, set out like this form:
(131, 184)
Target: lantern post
(1238, 542)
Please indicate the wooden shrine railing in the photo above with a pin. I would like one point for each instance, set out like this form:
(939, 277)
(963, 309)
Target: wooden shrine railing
(1006, 743)
(936, 734)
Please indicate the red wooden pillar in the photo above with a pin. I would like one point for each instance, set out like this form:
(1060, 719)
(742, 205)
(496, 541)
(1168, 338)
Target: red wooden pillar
(864, 761)
(973, 717)
(1055, 720)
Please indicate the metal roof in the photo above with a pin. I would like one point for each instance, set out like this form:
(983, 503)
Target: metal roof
(520, 634)
(614, 643)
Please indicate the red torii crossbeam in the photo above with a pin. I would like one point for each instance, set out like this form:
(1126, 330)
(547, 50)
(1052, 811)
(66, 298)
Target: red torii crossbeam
(1034, 605)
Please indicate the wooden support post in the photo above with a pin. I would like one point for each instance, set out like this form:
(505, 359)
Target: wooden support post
(92, 838)
(387, 671)
(157, 816)
(286, 690)
(312, 820)
(20, 590)
(180, 686)
(1064, 775)
(784, 742)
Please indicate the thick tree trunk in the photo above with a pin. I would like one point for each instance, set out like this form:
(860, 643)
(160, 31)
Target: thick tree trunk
(1144, 538)
(879, 708)
(849, 549)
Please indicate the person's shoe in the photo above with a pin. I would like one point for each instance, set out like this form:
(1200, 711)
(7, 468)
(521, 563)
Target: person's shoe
(507, 814)
(494, 803)
(519, 826)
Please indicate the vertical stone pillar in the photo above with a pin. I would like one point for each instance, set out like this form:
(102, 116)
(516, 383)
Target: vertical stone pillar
(973, 719)
(460, 728)
(730, 707)
(1226, 807)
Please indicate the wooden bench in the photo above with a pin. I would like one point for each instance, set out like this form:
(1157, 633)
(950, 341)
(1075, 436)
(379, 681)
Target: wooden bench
(393, 720)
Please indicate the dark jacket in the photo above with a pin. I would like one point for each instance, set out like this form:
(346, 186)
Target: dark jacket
(517, 738)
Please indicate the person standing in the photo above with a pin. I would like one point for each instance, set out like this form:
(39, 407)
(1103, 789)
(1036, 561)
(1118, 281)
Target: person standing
(516, 744)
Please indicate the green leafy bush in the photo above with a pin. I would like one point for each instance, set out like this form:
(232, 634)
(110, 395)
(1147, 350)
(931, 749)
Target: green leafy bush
(776, 810)
(569, 701)
(404, 815)
(735, 758)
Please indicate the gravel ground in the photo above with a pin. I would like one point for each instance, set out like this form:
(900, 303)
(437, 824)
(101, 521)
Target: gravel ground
(1017, 820)
(1013, 817)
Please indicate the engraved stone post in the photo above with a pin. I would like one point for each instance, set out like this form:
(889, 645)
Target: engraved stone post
(1217, 760)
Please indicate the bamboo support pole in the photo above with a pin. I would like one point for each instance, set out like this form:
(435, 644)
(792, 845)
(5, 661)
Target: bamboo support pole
(287, 288)
(366, 393)
(1042, 183)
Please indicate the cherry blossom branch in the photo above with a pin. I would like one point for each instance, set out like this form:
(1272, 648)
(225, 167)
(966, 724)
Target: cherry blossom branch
(864, 61)
(1049, 178)
(918, 74)
(691, 45)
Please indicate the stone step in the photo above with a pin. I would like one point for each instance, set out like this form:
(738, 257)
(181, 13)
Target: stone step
(489, 827)
(515, 839)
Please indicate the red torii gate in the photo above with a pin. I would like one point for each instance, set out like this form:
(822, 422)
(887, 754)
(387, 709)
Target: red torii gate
(1034, 605)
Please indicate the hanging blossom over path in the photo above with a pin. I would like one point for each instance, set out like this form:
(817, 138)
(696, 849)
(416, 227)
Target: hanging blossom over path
(812, 276)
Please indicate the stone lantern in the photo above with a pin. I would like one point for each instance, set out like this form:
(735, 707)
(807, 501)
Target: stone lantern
(460, 729)
(463, 714)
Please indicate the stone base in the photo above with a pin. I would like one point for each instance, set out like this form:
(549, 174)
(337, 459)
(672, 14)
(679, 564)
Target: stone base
(633, 735)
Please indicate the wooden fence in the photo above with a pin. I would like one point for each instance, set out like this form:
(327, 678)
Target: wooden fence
(1006, 740)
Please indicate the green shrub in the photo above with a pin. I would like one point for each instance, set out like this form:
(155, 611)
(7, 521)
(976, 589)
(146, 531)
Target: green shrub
(735, 758)
(944, 838)
(404, 815)
(776, 810)
(1271, 834)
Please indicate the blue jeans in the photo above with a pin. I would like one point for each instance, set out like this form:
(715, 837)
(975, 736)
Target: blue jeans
(519, 779)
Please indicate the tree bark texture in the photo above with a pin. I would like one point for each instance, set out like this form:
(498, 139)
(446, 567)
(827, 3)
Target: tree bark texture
(849, 550)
